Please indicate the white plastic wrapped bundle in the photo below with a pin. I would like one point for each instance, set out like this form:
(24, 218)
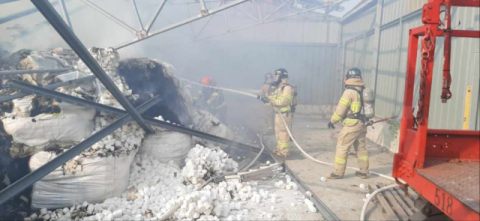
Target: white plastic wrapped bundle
(69, 127)
(167, 145)
(91, 179)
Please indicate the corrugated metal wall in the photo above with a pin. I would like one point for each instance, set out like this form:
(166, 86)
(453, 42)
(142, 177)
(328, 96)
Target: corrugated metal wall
(242, 66)
(393, 57)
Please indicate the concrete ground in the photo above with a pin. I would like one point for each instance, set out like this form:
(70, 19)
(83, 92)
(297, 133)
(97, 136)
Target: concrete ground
(344, 197)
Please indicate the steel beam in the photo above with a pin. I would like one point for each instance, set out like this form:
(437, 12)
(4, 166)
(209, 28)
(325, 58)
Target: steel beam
(108, 15)
(262, 22)
(249, 15)
(67, 34)
(276, 10)
(58, 161)
(376, 43)
(259, 11)
(204, 7)
(118, 112)
(134, 3)
(51, 87)
(181, 23)
(150, 24)
(65, 13)
(35, 71)
(20, 14)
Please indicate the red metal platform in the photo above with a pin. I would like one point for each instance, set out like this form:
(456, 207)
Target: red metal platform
(460, 179)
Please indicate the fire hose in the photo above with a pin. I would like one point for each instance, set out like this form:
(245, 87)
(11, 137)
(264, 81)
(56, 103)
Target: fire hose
(288, 129)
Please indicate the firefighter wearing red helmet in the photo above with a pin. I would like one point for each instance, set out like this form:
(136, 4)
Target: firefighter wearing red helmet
(212, 99)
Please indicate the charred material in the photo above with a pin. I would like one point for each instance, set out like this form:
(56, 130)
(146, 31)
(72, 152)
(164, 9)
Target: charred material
(147, 78)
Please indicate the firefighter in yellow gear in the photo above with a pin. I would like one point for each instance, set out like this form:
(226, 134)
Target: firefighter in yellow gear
(350, 112)
(269, 112)
(282, 99)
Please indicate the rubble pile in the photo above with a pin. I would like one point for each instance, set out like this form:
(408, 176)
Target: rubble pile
(155, 188)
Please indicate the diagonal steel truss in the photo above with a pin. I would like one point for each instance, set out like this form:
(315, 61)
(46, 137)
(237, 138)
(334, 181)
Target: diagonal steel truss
(130, 113)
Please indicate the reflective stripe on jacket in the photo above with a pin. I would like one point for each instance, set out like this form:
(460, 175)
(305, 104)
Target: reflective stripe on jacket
(282, 98)
(349, 104)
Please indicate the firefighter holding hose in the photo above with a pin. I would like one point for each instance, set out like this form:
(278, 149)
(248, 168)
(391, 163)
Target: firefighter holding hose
(266, 90)
(351, 111)
(212, 99)
(282, 99)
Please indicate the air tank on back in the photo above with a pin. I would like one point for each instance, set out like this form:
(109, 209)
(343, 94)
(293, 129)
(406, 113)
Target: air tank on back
(368, 101)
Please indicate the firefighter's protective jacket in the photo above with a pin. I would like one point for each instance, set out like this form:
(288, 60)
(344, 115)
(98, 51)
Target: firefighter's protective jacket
(211, 98)
(282, 98)
(349, 103)
(265, 92)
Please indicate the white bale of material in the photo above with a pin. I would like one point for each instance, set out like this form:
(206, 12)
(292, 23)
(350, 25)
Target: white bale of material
(165, 146)
(23, 106)
(96, 179)
(207, 123)
(69, 127)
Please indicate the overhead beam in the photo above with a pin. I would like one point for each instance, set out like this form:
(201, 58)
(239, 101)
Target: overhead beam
(181, 23)
(20, 14)
(118, 112)
(137, 14)
(58, 161)
(260, 23)
(66, 16)
(51, 87)
(35, 71)
(75, 44)
(108, 15)
(150, 24)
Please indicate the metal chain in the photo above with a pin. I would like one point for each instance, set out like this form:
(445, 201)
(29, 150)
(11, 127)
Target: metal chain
(427, 48)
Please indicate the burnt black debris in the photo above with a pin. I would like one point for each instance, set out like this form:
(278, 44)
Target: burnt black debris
(147, 78)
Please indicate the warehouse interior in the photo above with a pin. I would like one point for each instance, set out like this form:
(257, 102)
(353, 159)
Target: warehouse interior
(101, 118)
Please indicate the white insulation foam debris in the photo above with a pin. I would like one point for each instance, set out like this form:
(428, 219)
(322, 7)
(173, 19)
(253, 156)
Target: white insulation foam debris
(155, 188)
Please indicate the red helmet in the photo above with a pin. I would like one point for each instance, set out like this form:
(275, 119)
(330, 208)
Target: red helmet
(206, 81)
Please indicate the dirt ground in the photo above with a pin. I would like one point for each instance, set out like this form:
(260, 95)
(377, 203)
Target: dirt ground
(344, 197)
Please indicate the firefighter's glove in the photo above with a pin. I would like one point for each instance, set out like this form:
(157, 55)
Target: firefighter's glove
(330, 125)
(265, 100)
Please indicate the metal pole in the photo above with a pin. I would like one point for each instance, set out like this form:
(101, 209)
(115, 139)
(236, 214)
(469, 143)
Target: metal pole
(35, 71)
(20, 14)
(203, 27)
(184, 22)
(65, 13)
(56, 21)
(108, 15)
(137, 14)
(204, 10)
(51, 87)
(150, 24)
(249, 15)
(259, 11)
(226, 20)
(276, 10)
(58, 161)
(376, 43)
(118, 112)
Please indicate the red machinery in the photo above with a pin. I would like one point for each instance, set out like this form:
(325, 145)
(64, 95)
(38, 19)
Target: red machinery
(442, 166)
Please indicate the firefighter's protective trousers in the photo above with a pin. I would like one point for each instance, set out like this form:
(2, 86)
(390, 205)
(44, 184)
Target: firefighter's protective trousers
(353, 132)
(352, 135)
(281, 133)
(282, 99)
